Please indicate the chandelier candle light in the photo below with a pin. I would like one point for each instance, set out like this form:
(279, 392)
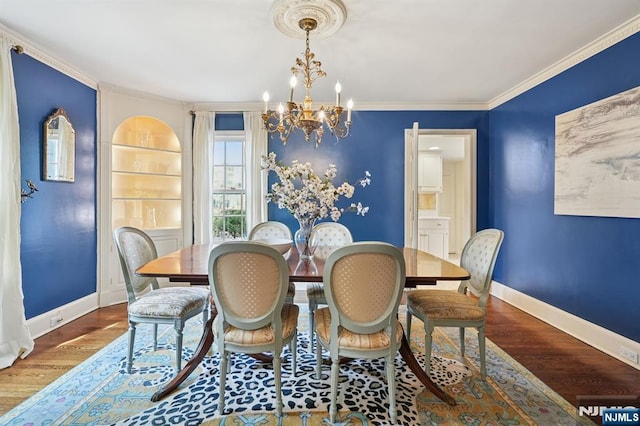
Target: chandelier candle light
(303, 116)
(310, 197)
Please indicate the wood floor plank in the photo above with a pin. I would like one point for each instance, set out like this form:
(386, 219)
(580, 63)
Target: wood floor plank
(567, 365)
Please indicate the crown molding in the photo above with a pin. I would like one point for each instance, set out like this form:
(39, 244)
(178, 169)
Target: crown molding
(38, 53)
(364, 106)
(421, 106)
(607, 40)
(107, 87)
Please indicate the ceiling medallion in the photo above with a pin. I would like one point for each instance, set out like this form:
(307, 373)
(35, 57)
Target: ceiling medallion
(328, 14)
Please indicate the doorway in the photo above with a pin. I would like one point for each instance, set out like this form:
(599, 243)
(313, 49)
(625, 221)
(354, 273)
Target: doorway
(457, 199)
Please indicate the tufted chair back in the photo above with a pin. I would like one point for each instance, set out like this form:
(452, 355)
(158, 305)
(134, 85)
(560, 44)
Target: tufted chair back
(479, 258)
(135, 248)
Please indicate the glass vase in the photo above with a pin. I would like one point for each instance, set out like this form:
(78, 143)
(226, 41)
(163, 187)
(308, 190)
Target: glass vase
(305, 239)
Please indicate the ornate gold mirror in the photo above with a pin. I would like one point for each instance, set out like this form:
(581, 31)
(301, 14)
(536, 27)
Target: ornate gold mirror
(59, 148)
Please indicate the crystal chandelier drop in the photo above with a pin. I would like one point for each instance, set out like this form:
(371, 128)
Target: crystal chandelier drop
(303, 116)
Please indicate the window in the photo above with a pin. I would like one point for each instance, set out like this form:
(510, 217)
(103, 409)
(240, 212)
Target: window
(229, 194)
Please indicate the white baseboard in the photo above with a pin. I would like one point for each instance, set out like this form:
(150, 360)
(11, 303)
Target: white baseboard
(594, 335)
(113, 297)
(49, 321)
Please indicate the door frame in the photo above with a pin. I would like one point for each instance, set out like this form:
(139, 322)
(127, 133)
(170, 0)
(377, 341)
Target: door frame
(411, 181)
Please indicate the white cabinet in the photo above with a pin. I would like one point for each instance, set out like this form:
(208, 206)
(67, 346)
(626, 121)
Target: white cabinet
(429, 172)
(433, 236)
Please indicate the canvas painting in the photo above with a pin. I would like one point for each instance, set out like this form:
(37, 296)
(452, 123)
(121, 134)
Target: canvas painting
(597, 158)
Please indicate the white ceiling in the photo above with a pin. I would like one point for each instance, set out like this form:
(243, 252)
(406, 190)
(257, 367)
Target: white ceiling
(387, 52)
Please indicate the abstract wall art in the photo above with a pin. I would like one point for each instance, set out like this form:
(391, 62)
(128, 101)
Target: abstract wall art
(597, 158)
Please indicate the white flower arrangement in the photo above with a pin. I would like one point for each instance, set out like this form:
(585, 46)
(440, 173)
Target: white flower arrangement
(309, 196)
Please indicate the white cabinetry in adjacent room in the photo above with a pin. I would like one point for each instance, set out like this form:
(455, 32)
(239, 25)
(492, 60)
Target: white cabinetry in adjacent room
(433, 236)
(429, 172)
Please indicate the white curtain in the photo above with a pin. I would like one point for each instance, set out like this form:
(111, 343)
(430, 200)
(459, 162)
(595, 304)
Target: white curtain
(15, 339)
(256, 178)
(203, 138)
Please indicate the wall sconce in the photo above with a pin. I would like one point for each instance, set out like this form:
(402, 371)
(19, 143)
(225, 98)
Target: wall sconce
(28, 194)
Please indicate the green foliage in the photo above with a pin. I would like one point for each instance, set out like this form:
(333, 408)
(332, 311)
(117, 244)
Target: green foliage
(232, 226)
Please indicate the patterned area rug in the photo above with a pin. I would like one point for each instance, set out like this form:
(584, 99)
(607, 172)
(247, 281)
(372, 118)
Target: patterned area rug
(99, 392)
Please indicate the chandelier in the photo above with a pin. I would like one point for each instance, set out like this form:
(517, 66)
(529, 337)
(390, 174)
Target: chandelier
(302, 115)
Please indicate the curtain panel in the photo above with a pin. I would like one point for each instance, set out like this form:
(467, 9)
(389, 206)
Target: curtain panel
(203, 139)
(15, 338)
(256, 178)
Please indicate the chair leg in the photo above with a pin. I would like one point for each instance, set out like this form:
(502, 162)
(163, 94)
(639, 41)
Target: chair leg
(428, 340)
(312, 329)
(462, 341)
(277, 365)
(155, 337)
(335, 370)
(224, 359)
(407, 331)
(178, 326)
(205, 317)
(132, 339)
(293, 347)
(483, 365)
(318, 361)
(391, 384)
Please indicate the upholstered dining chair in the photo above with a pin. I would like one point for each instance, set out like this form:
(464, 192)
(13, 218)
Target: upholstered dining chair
(328, 234)
(363, 284)
(272, 229)
(147, 302)
(447, 308)
(249, 284)
(269, 229)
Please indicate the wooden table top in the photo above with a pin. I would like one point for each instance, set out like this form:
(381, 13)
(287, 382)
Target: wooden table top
(191, 265)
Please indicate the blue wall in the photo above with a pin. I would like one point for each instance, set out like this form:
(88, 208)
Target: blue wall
(376, 144)
(584, 265)
(58, 226)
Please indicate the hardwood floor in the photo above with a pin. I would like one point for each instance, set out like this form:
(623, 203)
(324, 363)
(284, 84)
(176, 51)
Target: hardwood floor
(57, 352)
(564, 363)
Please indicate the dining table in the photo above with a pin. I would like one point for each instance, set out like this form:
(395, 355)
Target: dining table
(190, 265)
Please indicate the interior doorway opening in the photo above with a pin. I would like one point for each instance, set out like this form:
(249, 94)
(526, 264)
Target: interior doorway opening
(455, 198)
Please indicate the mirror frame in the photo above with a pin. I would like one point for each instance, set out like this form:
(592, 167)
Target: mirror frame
(52, 146)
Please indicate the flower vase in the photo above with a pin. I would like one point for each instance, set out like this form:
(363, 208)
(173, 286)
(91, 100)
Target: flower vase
(305, 239)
